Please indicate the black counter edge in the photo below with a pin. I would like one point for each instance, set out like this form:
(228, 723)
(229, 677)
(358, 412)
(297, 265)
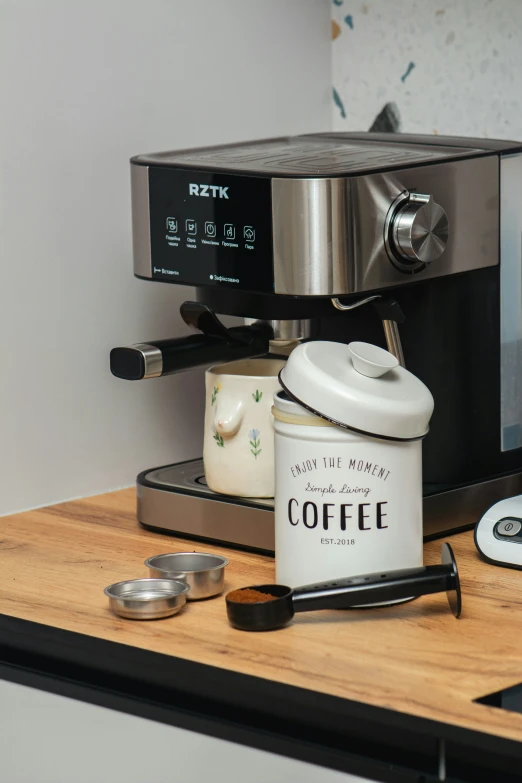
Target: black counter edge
(354, 737)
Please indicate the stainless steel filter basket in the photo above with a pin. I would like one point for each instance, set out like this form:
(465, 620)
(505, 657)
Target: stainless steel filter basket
(204, 573)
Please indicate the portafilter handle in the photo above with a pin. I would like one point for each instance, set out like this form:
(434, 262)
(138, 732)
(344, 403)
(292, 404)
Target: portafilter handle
(216, 344)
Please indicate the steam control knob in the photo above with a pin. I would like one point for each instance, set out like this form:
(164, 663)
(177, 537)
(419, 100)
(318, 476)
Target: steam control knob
(419, 230)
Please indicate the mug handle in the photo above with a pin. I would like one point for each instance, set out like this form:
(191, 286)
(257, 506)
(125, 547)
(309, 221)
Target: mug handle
(228, 416)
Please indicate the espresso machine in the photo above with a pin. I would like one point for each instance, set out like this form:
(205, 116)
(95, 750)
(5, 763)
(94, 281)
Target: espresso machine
(413, 243)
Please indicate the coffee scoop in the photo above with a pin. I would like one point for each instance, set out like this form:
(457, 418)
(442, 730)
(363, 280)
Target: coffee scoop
(267, 607)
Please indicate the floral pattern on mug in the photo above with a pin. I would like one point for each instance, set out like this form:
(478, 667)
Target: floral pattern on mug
(257, 396)
(215, 392)
(218, 438)
(255, 442)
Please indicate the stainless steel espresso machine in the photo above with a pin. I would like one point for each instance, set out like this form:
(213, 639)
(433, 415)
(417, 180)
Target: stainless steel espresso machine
(413, 243)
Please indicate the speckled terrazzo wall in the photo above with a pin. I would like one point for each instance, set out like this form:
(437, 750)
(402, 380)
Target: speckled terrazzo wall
(427, 66)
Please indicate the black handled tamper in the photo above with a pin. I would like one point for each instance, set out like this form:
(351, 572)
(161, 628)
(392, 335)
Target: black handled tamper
(250, 612)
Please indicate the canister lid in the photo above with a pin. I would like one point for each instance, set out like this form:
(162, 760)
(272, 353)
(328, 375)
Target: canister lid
(360, 387)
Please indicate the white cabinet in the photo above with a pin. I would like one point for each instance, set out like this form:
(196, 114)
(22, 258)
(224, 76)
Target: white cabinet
(46, 738)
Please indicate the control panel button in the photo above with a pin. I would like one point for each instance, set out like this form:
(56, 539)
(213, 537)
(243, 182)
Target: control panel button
(509, 527)
(230, 231)
(210, 229)
(249, 233)
(172, 225)
(191, 226)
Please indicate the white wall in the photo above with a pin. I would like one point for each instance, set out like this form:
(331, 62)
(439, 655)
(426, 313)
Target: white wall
(466, 73)
(83, 86)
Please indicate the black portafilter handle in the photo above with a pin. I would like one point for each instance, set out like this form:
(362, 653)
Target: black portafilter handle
(216, 344)
(359, 591)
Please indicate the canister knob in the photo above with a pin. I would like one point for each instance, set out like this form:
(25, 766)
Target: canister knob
(419, 230)
(370, 360)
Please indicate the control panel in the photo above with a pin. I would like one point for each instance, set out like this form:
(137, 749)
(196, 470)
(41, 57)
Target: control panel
(211, 229)
(498, 533)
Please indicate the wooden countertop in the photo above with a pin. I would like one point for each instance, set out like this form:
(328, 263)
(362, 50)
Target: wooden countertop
(415, 658)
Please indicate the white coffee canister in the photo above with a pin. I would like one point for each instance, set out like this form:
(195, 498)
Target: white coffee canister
(348, 496)
(238, 445)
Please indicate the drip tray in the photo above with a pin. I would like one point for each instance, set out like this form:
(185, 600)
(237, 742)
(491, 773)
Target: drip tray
(176, 498)
(190, 476)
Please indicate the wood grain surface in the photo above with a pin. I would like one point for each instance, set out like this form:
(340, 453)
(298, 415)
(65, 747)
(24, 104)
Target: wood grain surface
(415, 658)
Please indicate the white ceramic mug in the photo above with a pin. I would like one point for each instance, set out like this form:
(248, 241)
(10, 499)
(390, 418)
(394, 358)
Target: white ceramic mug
(238, 448)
